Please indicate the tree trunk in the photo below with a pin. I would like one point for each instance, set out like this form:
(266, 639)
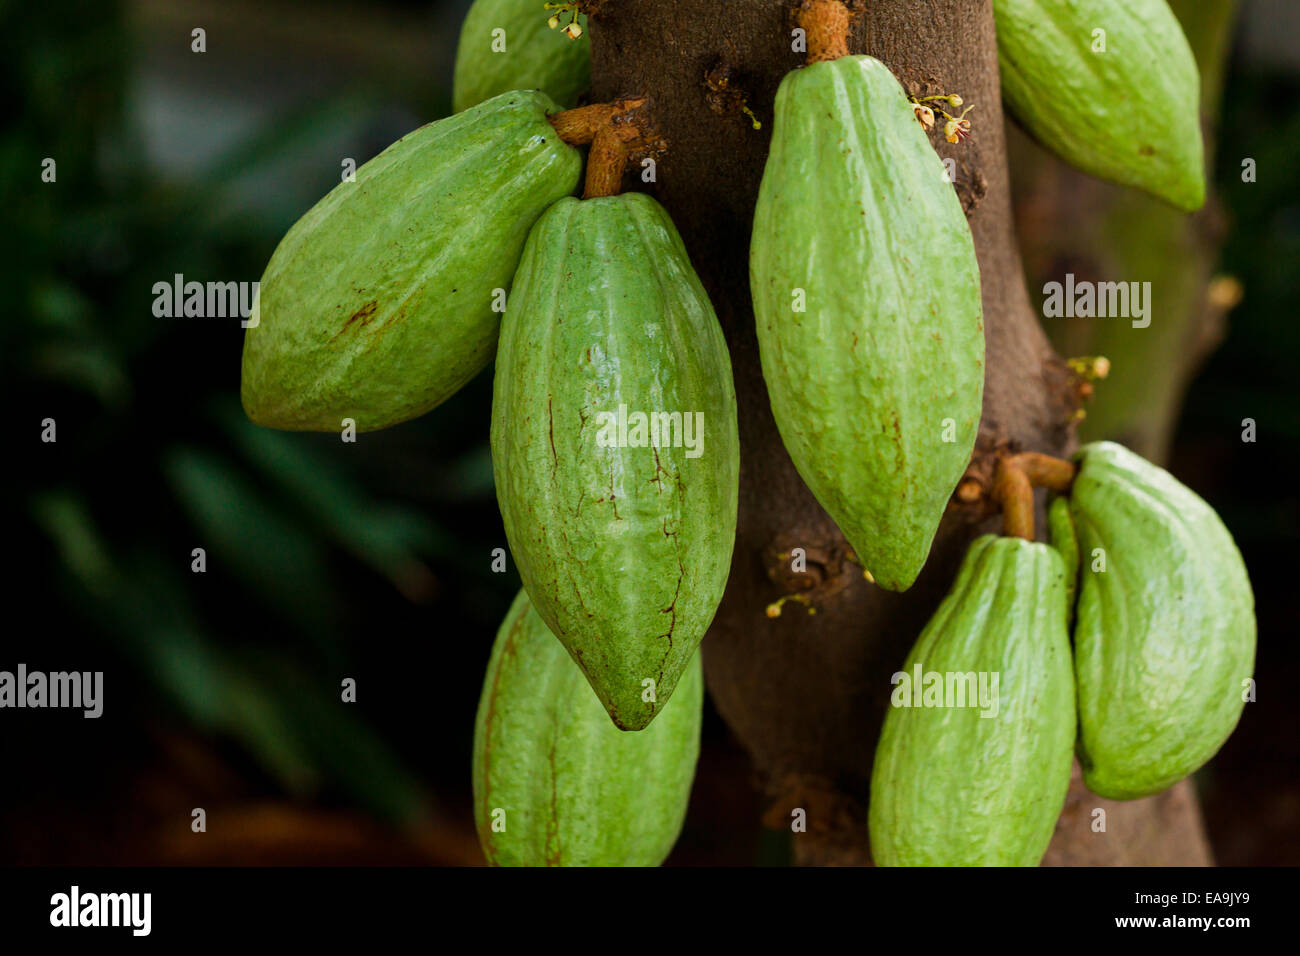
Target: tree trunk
(806, 693)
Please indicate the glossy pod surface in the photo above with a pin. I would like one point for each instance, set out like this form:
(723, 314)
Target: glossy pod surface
(951, 786)
(867, 300)
(555, 783)
(622, 532)
(378, 304)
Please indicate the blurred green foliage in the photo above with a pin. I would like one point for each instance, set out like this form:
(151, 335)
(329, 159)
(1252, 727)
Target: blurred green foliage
(306, 565)
(1249, 376)
(1252, 369)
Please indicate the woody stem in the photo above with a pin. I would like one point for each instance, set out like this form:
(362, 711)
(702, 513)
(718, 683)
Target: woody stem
(826, 24)
(1046, 471)
(1013, 492)
(1014, 481)
(578, 127)
(605, 165)
(617, 131)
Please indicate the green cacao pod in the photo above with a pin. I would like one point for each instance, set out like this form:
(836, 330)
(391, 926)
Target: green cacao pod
(614, 446)
(1165, 630)
(526, 55)
(1110, 86)
(555, 783)
(867, 299)
(378, 304)
(953, 785)
(1065, 540)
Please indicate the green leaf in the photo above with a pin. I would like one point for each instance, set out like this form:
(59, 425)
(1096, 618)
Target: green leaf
(387, 538)
(251, 539)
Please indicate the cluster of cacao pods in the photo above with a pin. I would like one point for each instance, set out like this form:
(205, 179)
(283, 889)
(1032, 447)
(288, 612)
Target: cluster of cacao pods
(1163, 651)
(616, 458)
(1141, 571)
(614, 437)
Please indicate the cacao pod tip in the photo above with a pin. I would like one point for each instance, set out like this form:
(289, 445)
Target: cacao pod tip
(896, 579)
(1188, 196)
(631, 726)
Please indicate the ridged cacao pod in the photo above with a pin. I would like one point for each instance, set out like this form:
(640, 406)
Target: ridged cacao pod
(867, 299)
(951, 787)
(555, 783)
(535, 57)
(1164, 636)
(378, 304)
(611, 367)
(1110, 86)
(1065, 540)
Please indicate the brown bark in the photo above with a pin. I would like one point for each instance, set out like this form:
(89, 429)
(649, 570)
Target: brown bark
(806, 693)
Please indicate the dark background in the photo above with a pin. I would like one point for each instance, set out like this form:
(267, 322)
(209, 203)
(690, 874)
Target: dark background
(372, 561)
